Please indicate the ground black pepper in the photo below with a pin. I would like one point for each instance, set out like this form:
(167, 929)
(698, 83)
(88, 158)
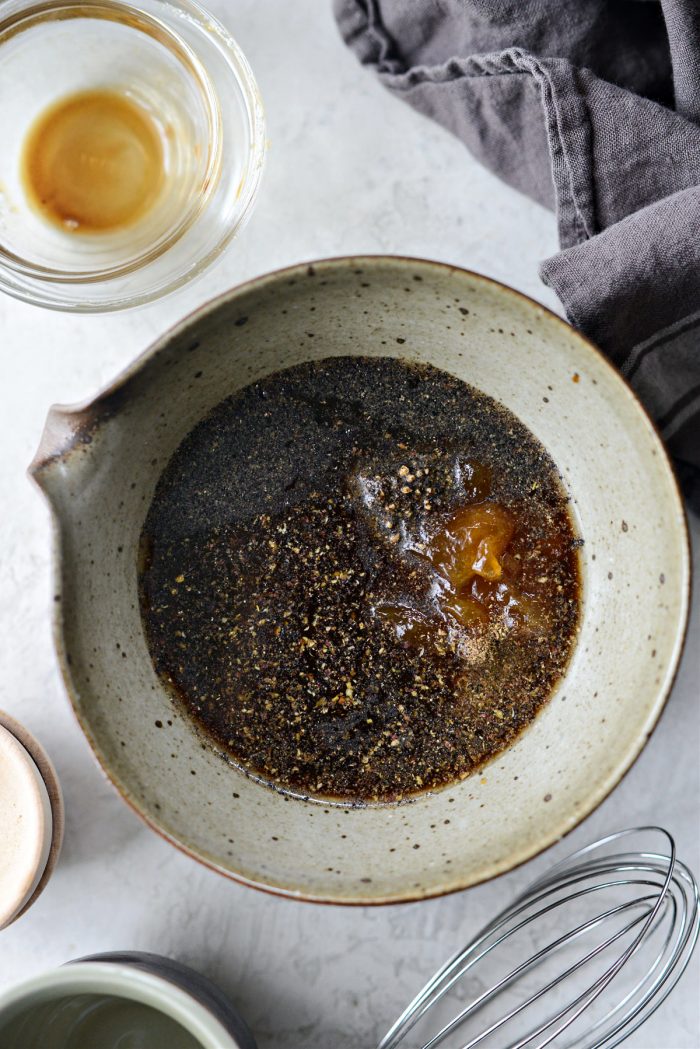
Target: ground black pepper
(291, 600)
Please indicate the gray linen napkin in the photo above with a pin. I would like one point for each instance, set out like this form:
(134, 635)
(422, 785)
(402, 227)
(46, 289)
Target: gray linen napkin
(591, 107)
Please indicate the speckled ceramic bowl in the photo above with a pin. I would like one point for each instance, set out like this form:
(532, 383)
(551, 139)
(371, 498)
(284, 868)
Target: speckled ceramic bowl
(99, 464)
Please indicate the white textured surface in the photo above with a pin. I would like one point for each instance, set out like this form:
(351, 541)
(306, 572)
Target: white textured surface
(350, 170)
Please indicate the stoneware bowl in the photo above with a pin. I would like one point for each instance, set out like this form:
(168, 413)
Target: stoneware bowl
(99, 463)
(49, 1013)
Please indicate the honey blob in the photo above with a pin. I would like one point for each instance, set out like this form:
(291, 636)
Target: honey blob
(471, 542)
(485, 571)
(93, 162)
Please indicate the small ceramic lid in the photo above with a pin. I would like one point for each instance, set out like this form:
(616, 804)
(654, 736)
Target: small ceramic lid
(31, 819)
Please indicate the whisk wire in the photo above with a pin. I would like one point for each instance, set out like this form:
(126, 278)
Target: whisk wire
(588, 997)
(656, 883)
(678, 959)
(531, 963)
(640, 983)
(429, 996)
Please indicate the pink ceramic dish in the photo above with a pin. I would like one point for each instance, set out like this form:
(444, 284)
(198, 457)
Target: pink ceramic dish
(31, 819)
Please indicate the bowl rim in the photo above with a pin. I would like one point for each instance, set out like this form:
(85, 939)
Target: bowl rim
(312, 268)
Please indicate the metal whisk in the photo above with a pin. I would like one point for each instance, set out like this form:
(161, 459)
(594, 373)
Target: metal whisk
(580, 959)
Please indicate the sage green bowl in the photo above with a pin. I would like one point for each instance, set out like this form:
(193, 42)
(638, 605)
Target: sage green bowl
(123, 998)
(98, 464)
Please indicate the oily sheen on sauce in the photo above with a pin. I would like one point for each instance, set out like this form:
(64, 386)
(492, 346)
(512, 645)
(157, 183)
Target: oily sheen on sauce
(360, 578)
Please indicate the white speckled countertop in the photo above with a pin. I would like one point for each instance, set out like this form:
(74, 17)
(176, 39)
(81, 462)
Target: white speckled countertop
(350, 170)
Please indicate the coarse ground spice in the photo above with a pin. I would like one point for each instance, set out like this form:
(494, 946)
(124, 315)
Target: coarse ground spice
(294, 601)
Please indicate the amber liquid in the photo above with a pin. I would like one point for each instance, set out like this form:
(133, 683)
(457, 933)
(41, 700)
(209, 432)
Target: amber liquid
(93, 162)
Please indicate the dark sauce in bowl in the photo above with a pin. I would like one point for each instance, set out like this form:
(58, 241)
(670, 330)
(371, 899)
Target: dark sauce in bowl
(360, 578)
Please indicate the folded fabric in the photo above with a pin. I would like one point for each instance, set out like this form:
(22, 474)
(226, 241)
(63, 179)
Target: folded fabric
(591, 107)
